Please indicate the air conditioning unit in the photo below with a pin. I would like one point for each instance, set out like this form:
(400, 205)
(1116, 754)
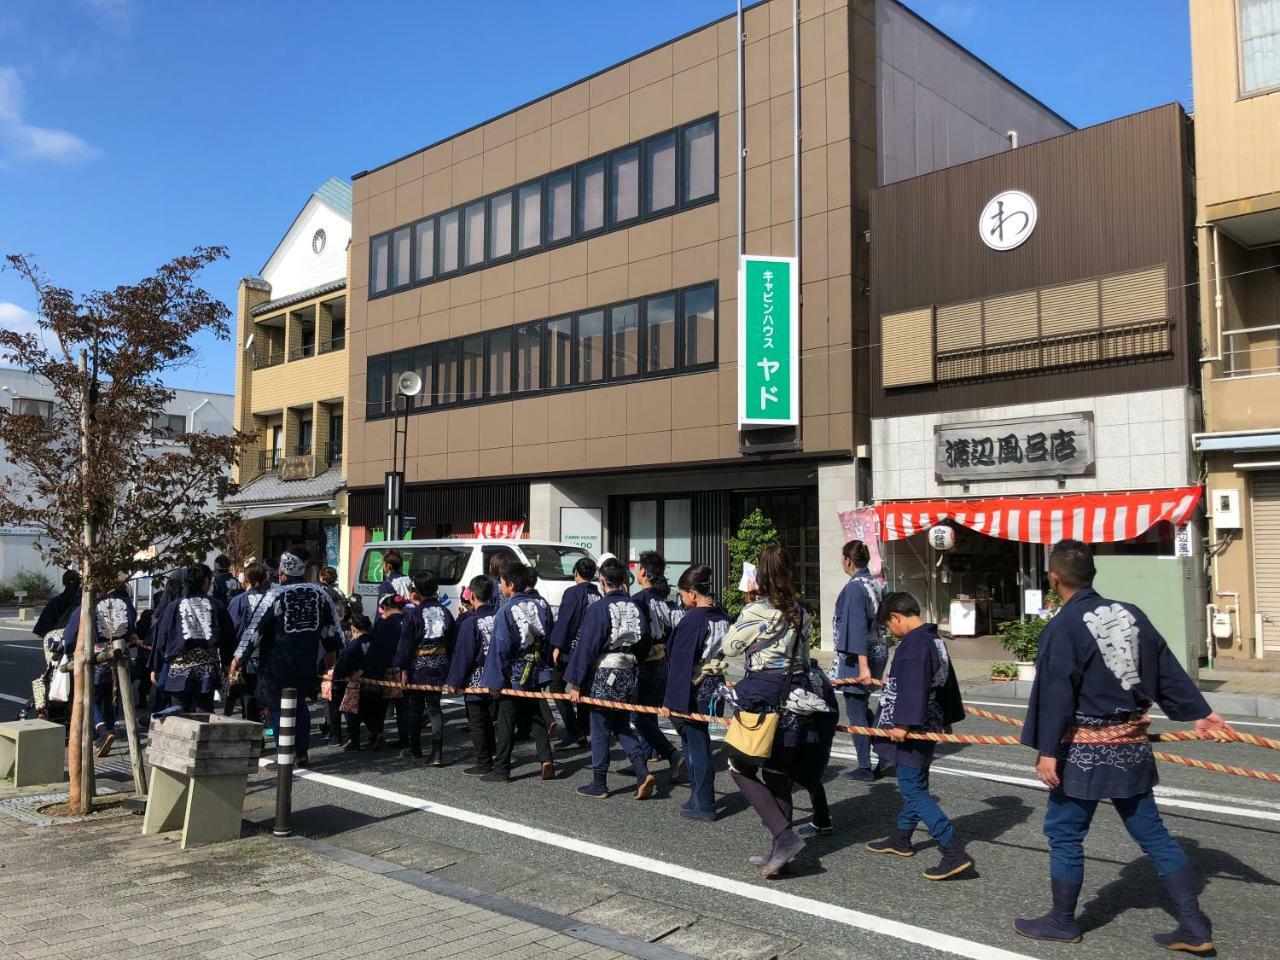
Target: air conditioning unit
(1224, 506)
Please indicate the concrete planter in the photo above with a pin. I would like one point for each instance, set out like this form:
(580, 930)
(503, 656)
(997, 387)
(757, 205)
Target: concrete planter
(1026, 671)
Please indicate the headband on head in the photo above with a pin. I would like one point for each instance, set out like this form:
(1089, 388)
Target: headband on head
(292, 566)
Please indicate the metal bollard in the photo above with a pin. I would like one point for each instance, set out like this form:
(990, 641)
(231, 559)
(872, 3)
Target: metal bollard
(284, 762)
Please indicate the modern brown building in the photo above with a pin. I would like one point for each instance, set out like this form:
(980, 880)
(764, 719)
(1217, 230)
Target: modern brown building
(1236, 74)
(563, 279)
(1035, 372)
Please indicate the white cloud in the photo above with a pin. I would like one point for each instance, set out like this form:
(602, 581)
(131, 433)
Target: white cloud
(16, 318)
(28, 141)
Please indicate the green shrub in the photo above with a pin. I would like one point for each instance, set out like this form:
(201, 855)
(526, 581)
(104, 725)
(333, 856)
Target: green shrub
(37, 585)
(7, 599)
(1022, 637)
(1005, 669)
(754, 534)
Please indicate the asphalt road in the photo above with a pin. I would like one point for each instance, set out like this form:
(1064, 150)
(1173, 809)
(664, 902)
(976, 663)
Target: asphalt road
(636, 867)
(20, 662)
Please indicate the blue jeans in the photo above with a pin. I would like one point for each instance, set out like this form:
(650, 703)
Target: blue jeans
(918, 805)
(696, 739)
(857, 701)
(1066, 823)
(104, 706)
(302, 725)
(606, 725)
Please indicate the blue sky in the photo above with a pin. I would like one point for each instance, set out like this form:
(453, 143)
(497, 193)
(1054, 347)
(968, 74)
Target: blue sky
(131, 131)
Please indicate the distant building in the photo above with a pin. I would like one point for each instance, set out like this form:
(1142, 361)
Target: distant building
(190, 411)
(291, 386)
(1236, 75)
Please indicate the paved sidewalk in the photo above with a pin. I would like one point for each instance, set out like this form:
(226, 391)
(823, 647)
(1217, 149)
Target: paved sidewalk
(101, 891)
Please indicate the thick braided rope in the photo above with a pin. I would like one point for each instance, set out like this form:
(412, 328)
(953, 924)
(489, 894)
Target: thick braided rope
(986, 740)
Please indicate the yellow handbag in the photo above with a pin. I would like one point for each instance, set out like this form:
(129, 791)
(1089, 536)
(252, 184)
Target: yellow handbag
(751, 735)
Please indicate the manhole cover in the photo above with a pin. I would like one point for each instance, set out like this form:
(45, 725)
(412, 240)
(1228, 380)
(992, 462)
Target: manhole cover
(27, 809)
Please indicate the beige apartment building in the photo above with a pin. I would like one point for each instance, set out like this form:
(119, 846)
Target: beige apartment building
(291, 387)
(563, 279)
(1236, 71)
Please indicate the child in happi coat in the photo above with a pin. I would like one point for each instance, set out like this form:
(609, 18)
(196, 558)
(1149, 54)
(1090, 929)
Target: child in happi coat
(426, 644)
(345, 697)
(695, 675)
(921, 695)
(466, 670)
(1100, 667)
(605, 666)
(114, 620)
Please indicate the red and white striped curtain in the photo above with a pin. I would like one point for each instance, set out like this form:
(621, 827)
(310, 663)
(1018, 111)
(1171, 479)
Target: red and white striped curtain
(499, 530)
(1091, 517)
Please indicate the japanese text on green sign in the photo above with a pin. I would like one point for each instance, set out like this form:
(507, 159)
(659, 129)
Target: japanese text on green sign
(768, 342)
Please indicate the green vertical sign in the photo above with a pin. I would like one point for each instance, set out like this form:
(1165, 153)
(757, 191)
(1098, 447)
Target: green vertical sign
(768, 342)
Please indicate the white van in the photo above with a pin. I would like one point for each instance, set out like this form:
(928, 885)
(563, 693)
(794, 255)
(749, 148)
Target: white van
(456, 562)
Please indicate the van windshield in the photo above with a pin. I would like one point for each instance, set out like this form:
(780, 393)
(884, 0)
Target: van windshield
(551, 561)
(447, 563)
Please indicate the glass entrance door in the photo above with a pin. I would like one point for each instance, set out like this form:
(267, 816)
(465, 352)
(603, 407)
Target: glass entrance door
(664, 524)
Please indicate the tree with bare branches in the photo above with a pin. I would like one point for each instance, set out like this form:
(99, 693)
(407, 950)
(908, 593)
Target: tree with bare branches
(111, 496)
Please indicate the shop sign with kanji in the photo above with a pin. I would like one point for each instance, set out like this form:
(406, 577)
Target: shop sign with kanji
(1051, 446)
(768, 342)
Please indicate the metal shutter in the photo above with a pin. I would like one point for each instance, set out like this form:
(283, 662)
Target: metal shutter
(1135, 297)
(906, 341)
(1070, 308)
(1266, 556)
(960, 326)
(1010, 319)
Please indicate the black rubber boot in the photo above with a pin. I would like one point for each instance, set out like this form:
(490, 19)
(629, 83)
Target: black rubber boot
(1059, 924)
(955, 861)
(1195, 932)
(897, 843)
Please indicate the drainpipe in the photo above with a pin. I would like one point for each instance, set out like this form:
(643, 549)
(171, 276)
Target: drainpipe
(1217, 291)
(742, 126)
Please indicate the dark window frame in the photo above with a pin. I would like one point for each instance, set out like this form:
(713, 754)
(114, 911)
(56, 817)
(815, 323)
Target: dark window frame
(453, 347)
(645, 213)
(415, 229)
(612, 183)
(579, 180)
(683, 160)
(496, 258)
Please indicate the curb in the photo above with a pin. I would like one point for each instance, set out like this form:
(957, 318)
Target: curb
(555, 922)
(1240, 705)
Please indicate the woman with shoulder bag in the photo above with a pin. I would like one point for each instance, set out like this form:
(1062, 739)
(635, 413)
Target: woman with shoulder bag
(773, 724)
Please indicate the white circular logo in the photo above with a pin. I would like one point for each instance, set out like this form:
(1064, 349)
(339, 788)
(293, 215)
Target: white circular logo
(317, 241)
(1007, 220)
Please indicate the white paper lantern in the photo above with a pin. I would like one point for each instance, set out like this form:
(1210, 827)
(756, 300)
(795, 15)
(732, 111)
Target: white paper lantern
(942, 538)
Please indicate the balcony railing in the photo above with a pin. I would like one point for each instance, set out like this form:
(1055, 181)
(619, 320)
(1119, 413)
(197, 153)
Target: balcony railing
(268, 358)
(337, 343)
(268, 460)
(302, 352)
(1251, 351)
(333, 451)
(302, 450)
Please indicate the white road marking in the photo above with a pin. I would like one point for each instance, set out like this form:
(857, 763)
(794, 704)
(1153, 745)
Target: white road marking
(1154, 716)
(11, 698)
(921, 936)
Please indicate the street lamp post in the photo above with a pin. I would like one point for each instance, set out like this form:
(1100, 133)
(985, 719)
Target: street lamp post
(408, 385)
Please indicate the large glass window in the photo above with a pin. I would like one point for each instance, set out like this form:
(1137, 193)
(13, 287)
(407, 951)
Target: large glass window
(529, 200)
(379, 264)
(590, 347)
(560, 352)
(401, 262)
(642, 528)
(424, 366)
(660, 173)
(473, 242)
(447, 372)
(591, 196)
(660, 334)
(401, 363)
(499, 382)
(376, 390)
(699, 326)
(677, 532)
(624, 340)
(472, 387)
(500, 226)
(424, 238)
(560, 206)
(447, 237)
(1259, 45)
(624, 188)
(699, 175)
(528, 358)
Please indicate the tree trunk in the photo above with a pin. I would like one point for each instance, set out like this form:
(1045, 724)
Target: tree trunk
(131, 725)
(80, 742)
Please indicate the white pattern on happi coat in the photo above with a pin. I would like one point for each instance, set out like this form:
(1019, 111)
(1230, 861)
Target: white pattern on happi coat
(196, 616)
(402, 585)
(113, 618)
(433, 623)
(528, 624)
(1116, 633)
(659, 619)
(624, 626)
(714, 643)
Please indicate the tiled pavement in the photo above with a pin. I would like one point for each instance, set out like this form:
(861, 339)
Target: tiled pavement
(102, 891)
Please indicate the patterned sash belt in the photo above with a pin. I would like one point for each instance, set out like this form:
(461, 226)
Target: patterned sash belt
(435, 651)
(657, 652)
(195, 657)
(1113, 734)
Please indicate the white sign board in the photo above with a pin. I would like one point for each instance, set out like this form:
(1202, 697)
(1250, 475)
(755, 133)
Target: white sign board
(1182, 540)
(581, 527)
(1007, 220)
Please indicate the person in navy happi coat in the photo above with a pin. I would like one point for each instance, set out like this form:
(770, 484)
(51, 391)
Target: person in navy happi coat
(1100, 667)
(466, 671)
(564, 635)
(191, 639)
(695, 675)
(519, 659)
(651, 598)
(921, 695)
(426, 644)
(115, 620)
(394, 580)
(861, 651)
(289, 631)
(612, 641)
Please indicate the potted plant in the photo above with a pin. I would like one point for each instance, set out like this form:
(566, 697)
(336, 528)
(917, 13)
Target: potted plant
(1004, 671)
(1022, 639)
